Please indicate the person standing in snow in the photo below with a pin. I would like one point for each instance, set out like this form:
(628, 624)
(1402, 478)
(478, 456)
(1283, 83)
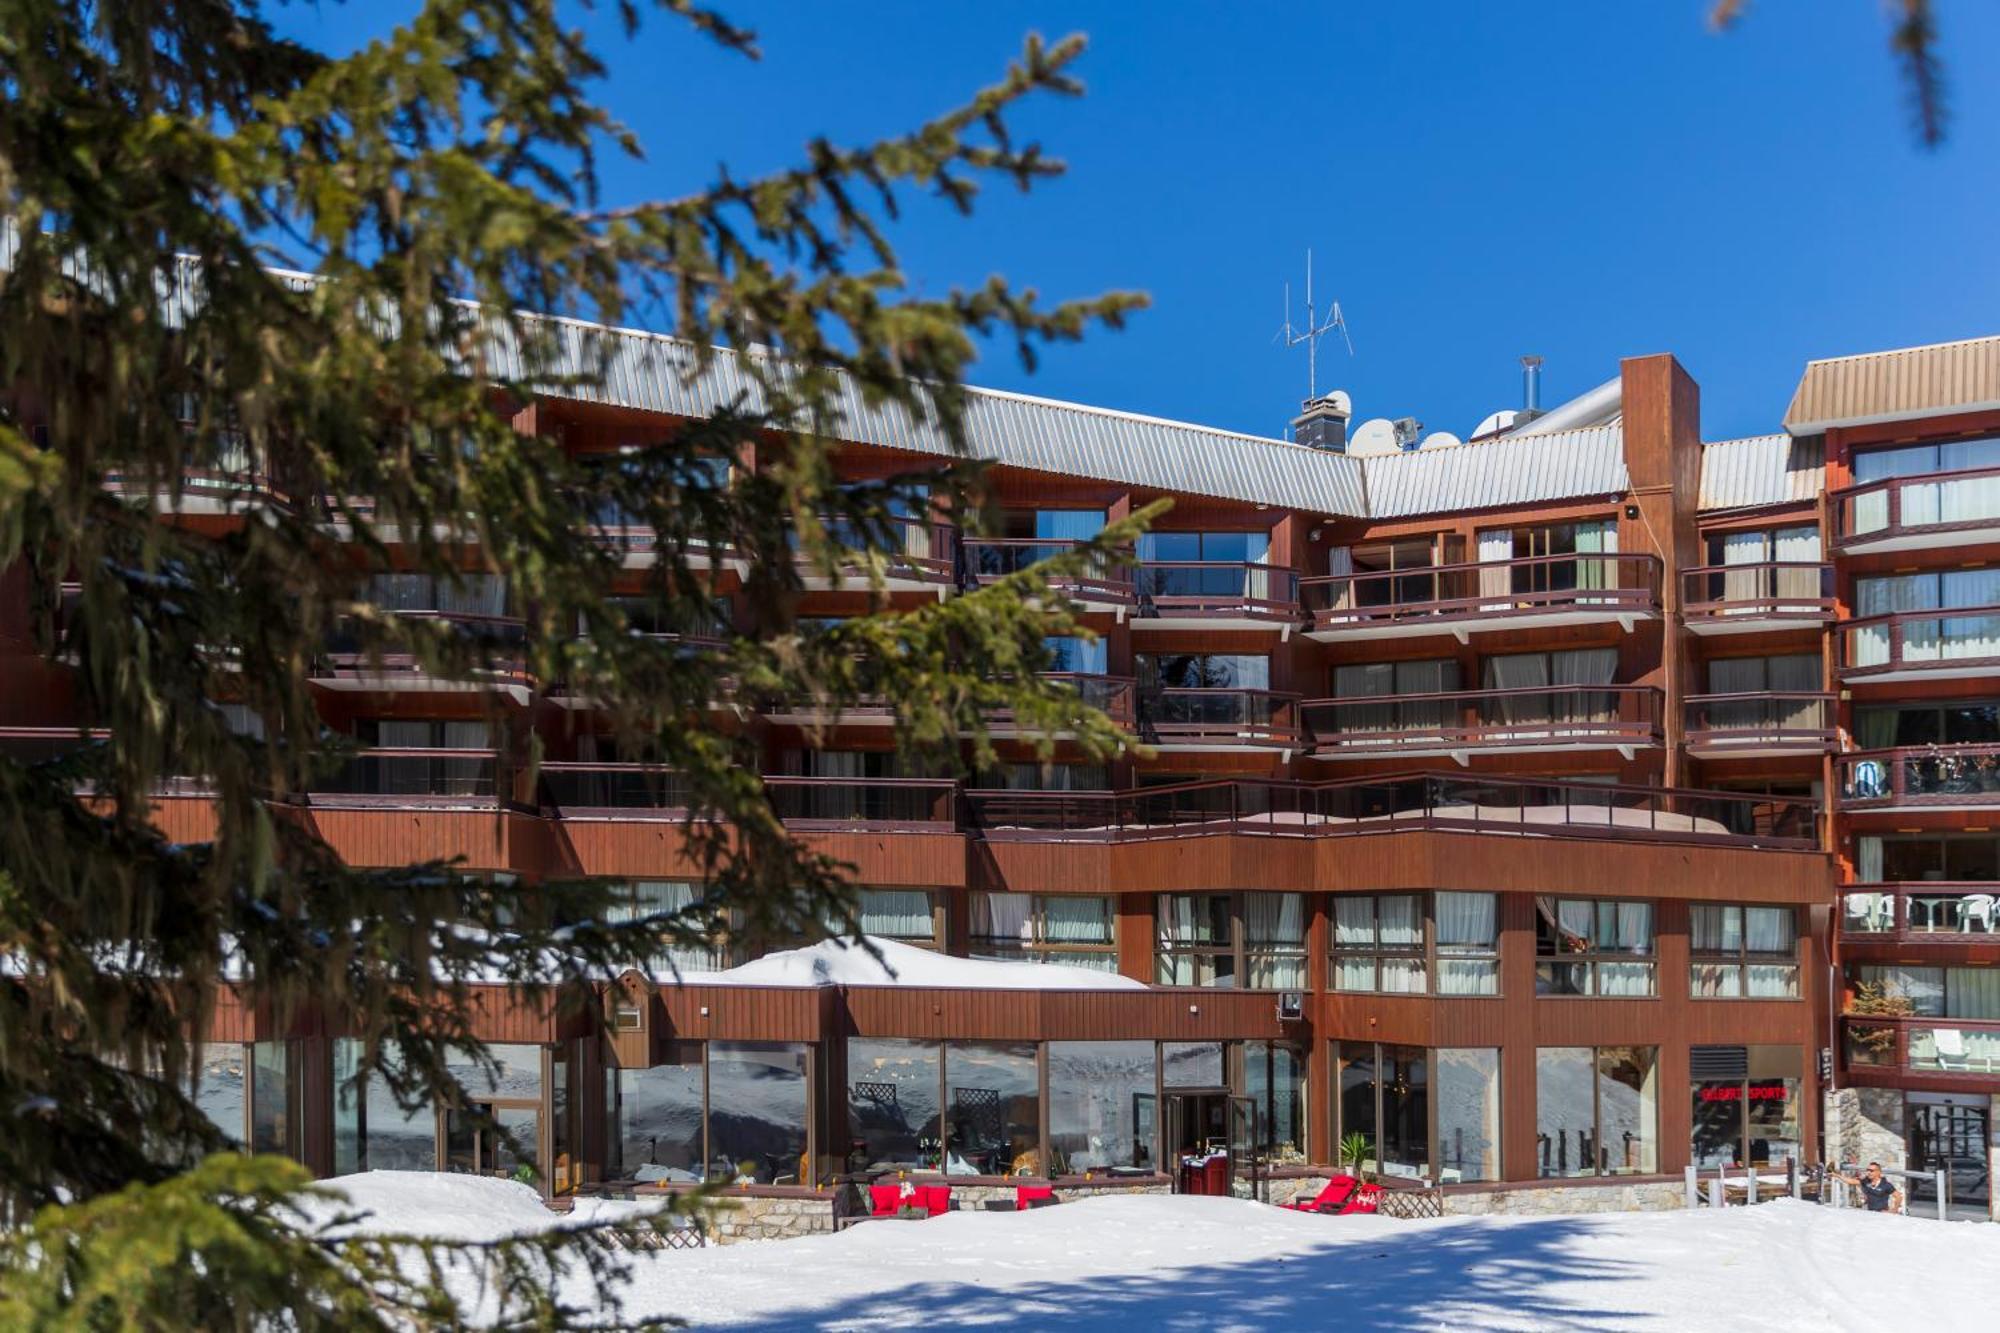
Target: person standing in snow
(1878, 1192)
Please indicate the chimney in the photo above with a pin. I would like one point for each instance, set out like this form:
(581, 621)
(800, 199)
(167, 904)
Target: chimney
(1531, 387)
(1322, 424)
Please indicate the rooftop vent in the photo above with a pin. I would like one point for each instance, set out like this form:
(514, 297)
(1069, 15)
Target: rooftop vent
(1322, 424)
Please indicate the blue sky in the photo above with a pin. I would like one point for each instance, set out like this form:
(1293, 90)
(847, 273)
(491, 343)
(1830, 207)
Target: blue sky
(1576, 179)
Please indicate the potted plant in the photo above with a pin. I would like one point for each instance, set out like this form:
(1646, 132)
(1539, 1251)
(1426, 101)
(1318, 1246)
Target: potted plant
(1356, 1149)
(1874, 999)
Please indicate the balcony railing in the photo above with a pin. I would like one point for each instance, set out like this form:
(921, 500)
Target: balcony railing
(1910, 513)
(572, 787)
(1955, 641)
(400, 775)
(990, 558)
(1506, 806)
(1923, 912)
(1114, 696)
(876, 803)
(638, 546)
(1213, 718)
(1759, 723)
(1568, 588)
(344, 658)
(1719, 598)
(1924, 1045)
(1562, 716)
(920, 551)
(1218, 590)
(1943, 776)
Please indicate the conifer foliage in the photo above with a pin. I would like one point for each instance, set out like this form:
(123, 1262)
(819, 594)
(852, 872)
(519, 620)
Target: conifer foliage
(274, 322)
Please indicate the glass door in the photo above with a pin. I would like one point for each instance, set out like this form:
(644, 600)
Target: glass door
(507, 1148)
(1246, 1181)
(1953, 1136)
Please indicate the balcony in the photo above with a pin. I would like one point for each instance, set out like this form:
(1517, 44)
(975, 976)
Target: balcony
(924, 557)
(397, 777)
(1460, 600)
(1921, 777)
(1459, 723)
(1937, 512)
(345, 666)
(991, 558)
(1930, 916)
(1756, 598)
(1948, 644)
(637, 547)
(1216, 594)
(1504, 806)
(626, 792)
(1114, 696)
(1948, 1049)
(1219, 721)
(687, 646)
(1761, 725)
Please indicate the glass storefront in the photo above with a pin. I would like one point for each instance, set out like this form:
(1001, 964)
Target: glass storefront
(654, 1130)
(993, 1109)
(1103, 1107)
(1597, 1110)
(1468, 1115)
(892, 1104)
(759, 1105)
(1746, 1105)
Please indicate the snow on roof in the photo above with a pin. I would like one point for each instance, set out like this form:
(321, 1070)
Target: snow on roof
(840, 963)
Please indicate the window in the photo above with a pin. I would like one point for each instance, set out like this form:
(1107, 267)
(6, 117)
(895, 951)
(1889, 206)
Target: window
(1048, 777)
(908, 915)
(1077, 655)
(1896, 858)
(1939, 992)
(1546, 687)
(1468, 1114)
(1597, 1110)
(1918, 460)
(1794, 543)
(1388, 943)
(1746, 1105)
(1525, 573)
(892, 1104)
(1199, 936)
(1418, 554)
(1926, 639)
(759, 1102)
(1385, 681)
(1740, 952)
(1791, 674)
(1045, 928)
(1385, 1098)
(371, 1131)
(654, 1120)
(1203, 671)
(1593, 946)
(1883, 727)
(1274, 1077)
(1103, 1096)
(993, 1109)
(471, 595)
(676, 899)
(1205, 565)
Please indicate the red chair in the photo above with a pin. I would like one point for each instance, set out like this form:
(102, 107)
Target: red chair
(1366, 1200)
(934, 1199)
(1033, 1196)
(885, 1200)
(1333, 1199)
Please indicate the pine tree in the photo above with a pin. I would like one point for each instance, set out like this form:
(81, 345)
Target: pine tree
(348, 278)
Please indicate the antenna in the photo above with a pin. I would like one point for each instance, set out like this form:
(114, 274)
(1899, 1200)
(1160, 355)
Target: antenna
(1313, 331)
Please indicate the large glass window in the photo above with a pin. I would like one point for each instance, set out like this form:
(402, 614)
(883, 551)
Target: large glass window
(1394, 714)
(1919, 460)
(1199, 936)
(501, 1136)
(1740, 951)
(1385, 1098)
(371, 1132)
(1934, 638)
(1937, 992)
(1202, 671)
(1468, 1114)
(909, 915)
(274, 1124)
(655, 1121)
(1898, 858)
(758, 1110)
(1593, 946)
(1746, 1105)
(674, 899)
(1406, 943)
(1072, 929)
(1597, 1110)
(1078, 655)
(1274, 1077)
(222, 1087)
(1103, 1102)
(993, 1109)
(892, 1103)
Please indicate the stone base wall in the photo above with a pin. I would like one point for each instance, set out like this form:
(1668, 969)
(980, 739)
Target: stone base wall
(1866, 1125)
(751, 1218)
(1556, 1200)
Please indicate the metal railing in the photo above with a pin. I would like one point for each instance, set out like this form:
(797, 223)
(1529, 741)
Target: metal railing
(572, 785)
(990, 558)
(1566, 715)
(1176, 716)
(918, 550)
(835, 803)
(1939, 504)
(1210, 589)
(1758, 718)
(399, 774)
(1927, 640)
(1114, 696)
(1522, 806)
(1944, 775)
(1614, 583)
(1922, 910)
(1781, 589)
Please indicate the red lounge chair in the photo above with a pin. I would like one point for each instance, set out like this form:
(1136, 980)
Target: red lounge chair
(1366, 1200)
(934, 1199)
(885, 1200)
(1333, 1199)
(1030, 1196)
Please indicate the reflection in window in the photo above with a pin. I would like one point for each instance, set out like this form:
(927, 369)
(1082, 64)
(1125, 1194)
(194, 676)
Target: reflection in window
(892, 1104)
(1385, 1098)
(655, 1121)
(993, 1113)
(1384, 942)
(371, 1132)
(1746, 1105)
(1468, 1114)
(1274, 1077)
(757, 1113)
(1072, 929)
(1596, 1110)
(1102, 1107)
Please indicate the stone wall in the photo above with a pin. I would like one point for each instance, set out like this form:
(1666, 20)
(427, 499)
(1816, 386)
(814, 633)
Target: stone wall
(748, 1217)
(1866, 1125)
(1554, 1200)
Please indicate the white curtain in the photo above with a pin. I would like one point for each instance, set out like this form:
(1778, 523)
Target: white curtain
(897, 914)
(1176, 923)
(1624, 979)
(1868, 860)
(1467, 920)
(1715, 928)
(1972, 992)
(1354, 973)
(1496, 579)
(1635, 927)
(1001, 920)
(1340, 563)
(1365, 680)
(1078, 919)
(655, 897)
(1274, 919)
(1970, 636)
(1769, 930)
(1584, 666)
(1797, 545)
(1257, 552)
(1402, 976)
(1743, 585)
(1516, 671)
(1401, 922)
(1353, 922)
(1592, 539)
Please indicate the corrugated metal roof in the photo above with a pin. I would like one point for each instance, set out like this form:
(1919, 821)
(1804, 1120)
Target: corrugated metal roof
(1891, 386)
(1761, 470)
(1490, 474)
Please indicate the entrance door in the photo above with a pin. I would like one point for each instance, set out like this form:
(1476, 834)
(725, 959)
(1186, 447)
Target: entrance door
(1197, 1141)
(477, 1149)
(1951, 1135)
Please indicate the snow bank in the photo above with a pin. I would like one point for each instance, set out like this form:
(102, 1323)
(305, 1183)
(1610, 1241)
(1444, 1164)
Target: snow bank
(839, 962)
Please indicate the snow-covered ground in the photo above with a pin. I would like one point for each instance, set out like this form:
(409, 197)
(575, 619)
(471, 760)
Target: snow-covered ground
(1221, 1264)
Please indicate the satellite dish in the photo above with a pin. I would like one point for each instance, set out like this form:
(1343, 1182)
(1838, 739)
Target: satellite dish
(1377, 435)
(1439, 439)
(1495, 423)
